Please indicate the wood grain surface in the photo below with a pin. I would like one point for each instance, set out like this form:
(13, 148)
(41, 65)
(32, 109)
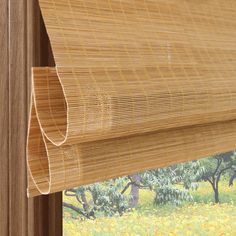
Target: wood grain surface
(4, 131)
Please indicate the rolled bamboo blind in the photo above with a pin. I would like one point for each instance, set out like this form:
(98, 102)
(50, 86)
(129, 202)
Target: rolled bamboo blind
(138, 84)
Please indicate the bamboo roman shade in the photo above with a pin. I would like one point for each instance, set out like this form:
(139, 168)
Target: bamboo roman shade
(138, 84)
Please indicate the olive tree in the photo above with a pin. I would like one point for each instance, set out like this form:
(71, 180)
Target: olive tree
(216, 167)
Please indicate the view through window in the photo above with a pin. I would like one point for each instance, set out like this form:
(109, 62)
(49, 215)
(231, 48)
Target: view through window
(192, 198)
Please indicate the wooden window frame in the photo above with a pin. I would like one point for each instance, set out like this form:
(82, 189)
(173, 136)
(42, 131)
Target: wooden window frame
(23, 44)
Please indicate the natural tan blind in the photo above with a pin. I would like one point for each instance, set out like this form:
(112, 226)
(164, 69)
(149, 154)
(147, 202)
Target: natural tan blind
(138, 84)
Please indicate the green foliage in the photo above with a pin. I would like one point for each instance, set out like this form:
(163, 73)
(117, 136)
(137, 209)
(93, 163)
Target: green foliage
(107, 197)
(164, 182)
(170, 194)
(101, 199)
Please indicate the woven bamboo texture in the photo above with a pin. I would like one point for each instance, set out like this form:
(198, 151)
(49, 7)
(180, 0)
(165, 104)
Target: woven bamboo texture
(138, 84)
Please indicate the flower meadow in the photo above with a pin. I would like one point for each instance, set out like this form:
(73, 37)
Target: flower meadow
(201, 217)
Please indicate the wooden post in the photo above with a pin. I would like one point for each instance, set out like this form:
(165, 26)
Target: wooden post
(23, 44)
(4, 119)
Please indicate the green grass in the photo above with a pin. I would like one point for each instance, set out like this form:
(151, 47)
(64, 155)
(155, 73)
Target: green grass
(202, 218)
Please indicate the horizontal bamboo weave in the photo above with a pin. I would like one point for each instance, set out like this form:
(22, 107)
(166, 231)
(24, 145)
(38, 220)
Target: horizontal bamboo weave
(138, 84)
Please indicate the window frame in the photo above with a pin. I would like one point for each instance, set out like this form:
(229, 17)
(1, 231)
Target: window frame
(24, 44)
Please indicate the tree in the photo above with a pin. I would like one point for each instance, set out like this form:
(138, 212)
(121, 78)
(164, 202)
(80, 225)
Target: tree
(80, 195)
(135, 180)
(107, 198)
(172, 184)
(217, 166)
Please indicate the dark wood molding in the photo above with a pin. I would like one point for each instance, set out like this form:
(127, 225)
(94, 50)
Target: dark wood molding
(17, 117)
(46, 211)
(4, 120)
(23, 44)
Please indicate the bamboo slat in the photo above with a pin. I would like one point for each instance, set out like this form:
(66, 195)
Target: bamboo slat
(138, 84)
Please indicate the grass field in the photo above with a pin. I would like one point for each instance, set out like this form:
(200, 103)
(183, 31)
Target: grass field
(199, 218)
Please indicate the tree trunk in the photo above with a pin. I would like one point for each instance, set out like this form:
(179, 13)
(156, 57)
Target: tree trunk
(85, 202)
(216, 192)
(134, 192)
(217, 200)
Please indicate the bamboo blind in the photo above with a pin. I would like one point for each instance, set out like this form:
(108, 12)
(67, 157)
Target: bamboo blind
(138, 84)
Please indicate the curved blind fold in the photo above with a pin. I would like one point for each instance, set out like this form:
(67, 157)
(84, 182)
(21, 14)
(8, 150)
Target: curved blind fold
(138, 84)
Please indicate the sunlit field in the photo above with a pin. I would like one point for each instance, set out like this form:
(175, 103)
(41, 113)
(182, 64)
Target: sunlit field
(201, 217)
